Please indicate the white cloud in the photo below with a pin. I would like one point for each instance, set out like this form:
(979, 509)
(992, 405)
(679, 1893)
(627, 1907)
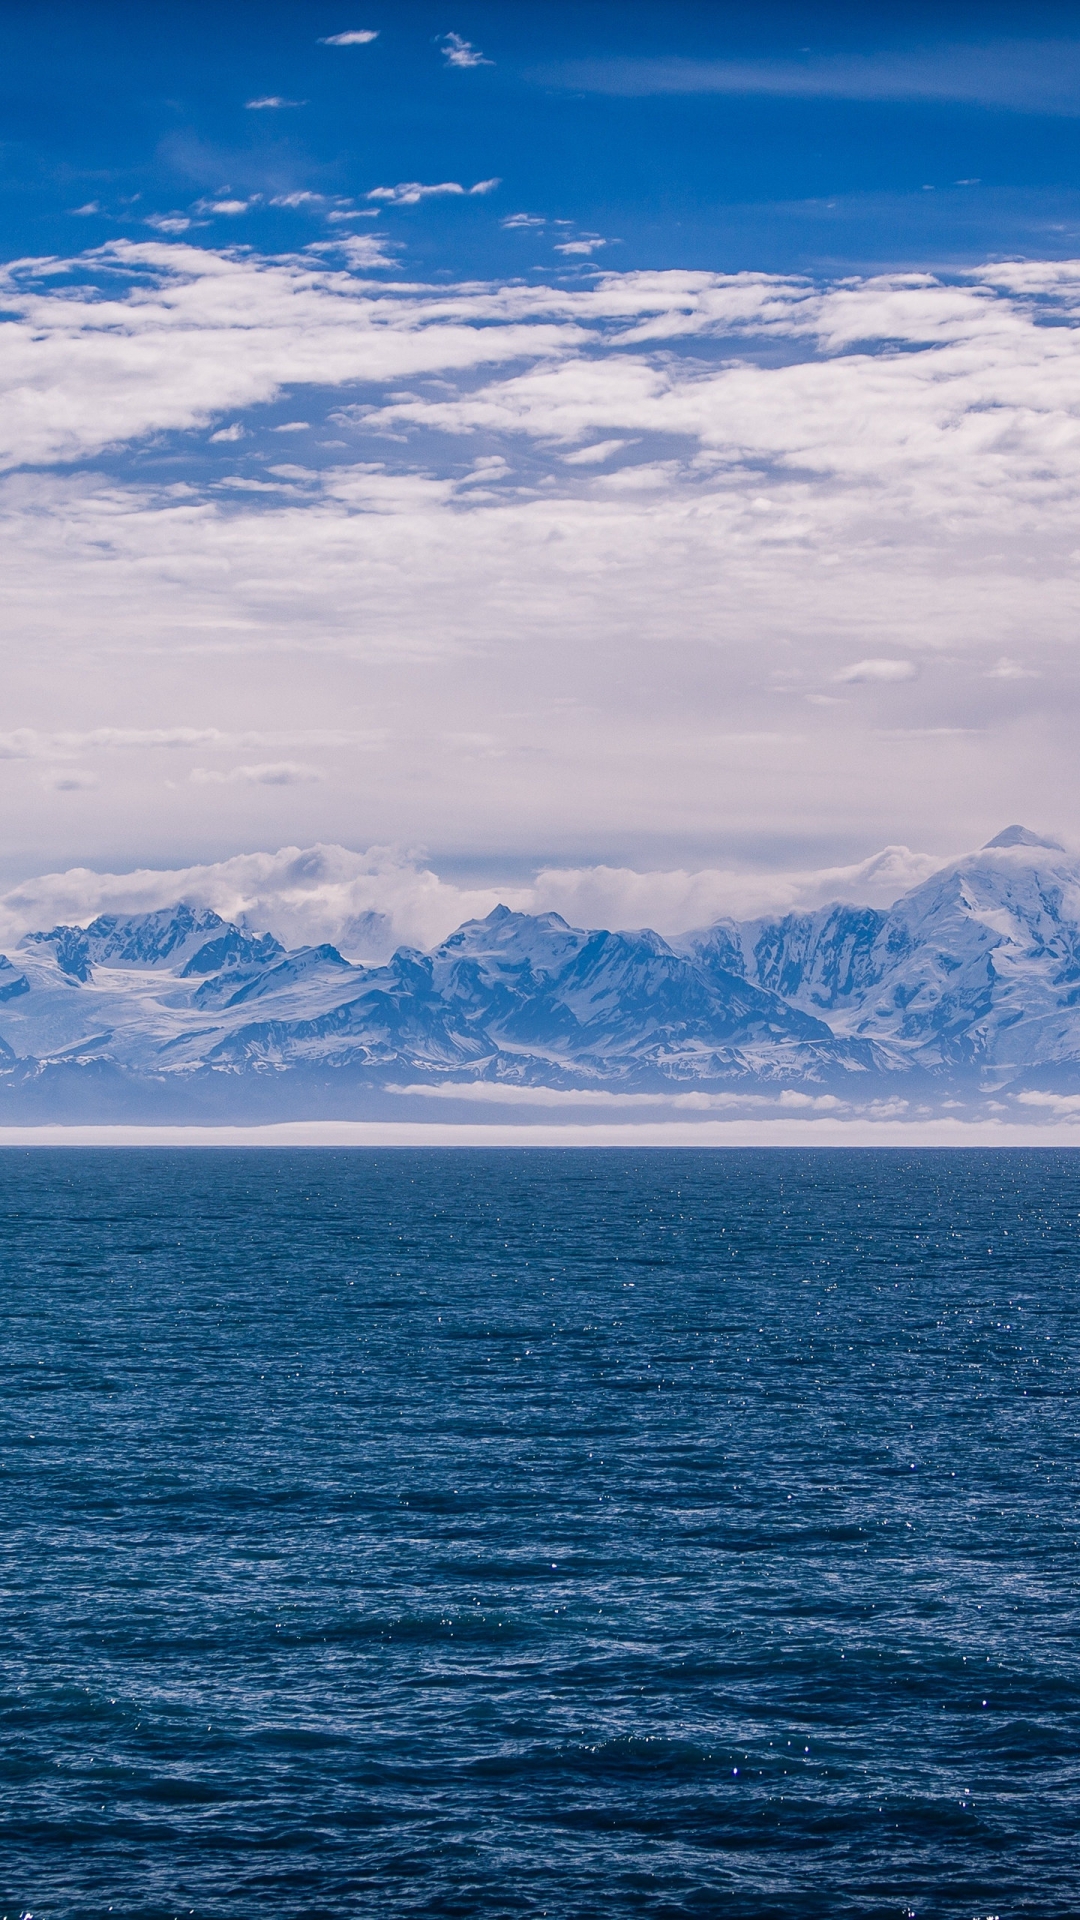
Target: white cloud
(409, 193)
(359, 252)
(230, 207)
(25, 743)
(497, 1094)
(275, 773)
(863, 672)
(292, 426)
(354, 37)
(1007, 669)
(461, 53)
(301, 198)
(235, 432)
(90, 207)
(1060, 1104)
(584, 247)
(1027, 74)
(369, 903)
(272, 100)
(516, 221)
(171, 223)
(643, 656)
(593, 456)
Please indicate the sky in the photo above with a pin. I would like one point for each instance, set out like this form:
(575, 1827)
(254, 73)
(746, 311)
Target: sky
(624, 455)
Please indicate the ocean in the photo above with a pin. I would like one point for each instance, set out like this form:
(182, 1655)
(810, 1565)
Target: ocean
(566, 1533)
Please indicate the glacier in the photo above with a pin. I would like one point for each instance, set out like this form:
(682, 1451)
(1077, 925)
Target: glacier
(966, 989)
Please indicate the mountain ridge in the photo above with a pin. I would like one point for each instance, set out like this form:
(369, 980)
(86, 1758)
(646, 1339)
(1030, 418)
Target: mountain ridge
(968, 984)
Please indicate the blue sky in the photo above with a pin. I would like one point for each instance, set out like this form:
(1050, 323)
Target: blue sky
(713, 135)
(596, 439)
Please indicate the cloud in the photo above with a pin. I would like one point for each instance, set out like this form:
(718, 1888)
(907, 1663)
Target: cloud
(1007, 669)
(354, 37)
(649, 656)
(866, 672)
(461, 53)
(170, 223)
(408, 193)
(234, 432)
(228, 207)
(360, 252)
(594, 455)
(70, 781)
(90, 207)
(580, 246)
(1027, 75)
(301, 198)
(27, 743)
(516, 221)
(276, 773)
(369, 903)
(497, 1094)
(1059, 1104)
(272, 100)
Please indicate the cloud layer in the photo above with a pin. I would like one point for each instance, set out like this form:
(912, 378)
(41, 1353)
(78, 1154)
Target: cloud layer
(369, 903)
(646, 570)
(1029, 75)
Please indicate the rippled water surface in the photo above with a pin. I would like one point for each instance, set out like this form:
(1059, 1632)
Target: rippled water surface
(540, 1533)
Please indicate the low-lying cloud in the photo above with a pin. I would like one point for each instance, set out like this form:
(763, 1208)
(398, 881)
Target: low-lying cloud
(369, 903)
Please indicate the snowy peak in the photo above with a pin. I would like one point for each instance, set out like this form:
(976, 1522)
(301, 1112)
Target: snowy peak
(504, 937)
(1021, 837)
(976, 968)
(181, 939)
(971, 979)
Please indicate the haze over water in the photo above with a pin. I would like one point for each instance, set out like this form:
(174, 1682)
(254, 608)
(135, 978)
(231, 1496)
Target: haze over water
(477, 1533)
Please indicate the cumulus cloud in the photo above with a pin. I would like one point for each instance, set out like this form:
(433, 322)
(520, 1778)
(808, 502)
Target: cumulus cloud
(1059, 1104)
(583, 247)
(409, 193)
(369, 903)
(461, 53)
(353, 37)
(652, 657)
(169, 223)
(359, 252)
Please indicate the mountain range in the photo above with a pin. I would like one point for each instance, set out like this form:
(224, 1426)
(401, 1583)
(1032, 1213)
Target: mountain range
(967, 989)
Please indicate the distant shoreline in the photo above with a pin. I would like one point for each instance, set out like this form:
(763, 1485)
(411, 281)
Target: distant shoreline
(816, 1133)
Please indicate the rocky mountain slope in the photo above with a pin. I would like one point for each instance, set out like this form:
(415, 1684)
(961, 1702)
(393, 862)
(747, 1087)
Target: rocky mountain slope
(971, 981)
(976, 969)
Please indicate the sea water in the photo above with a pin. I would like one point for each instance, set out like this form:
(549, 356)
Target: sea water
(525, 1533)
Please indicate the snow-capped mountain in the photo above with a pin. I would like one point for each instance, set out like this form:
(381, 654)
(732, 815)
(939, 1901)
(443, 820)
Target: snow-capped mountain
(971, 980)
(976, 968)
